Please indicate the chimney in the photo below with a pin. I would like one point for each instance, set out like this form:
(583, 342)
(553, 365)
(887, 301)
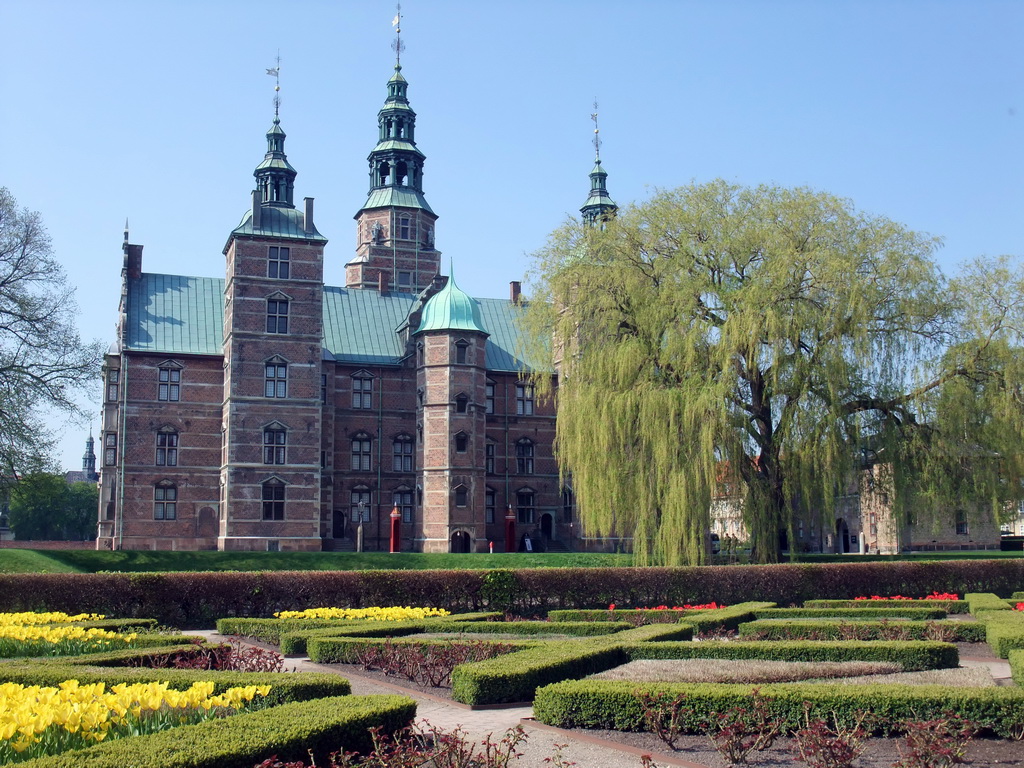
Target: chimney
(382, 279)
(133, 261)
(514, 289)
(257, 209)
(307, 215)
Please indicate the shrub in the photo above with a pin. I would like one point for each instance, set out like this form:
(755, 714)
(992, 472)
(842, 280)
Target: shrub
(938, 743)
(820, 744)
(961, 632)
(949, 606)
(852, 614)
(426, 663)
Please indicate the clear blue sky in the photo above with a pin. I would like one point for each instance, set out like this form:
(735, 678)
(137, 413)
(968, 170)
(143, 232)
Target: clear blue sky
(157, 112)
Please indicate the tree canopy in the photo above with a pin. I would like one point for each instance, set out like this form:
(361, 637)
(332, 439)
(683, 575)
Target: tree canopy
(43, 363)
(44, 507)
(775, 337)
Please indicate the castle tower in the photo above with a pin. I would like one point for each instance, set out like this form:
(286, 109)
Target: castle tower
(451, 379)
(395, 226)
(599, 206)
(273, 318)
(89, 460)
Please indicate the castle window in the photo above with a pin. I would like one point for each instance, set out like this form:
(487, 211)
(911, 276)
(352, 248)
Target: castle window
(273, 500)
(361, 452)
(274, 443)
(567, 504)
(490, 505)
(461, 442)
(403, 228)
(167, 448)
(276, 382)
(360, 499)
(525, 511)
(524, 457)
(461, 403)
(403, 502)
(461, 496)
(278, 262)
(170, 384)
(323, 388)
(110, 449)
(403, 456)
(489, 457)
(461, 352)
(362, 392)
(524, 399)
(165, 501)
(962, 528)
(113, 378)
(489, 390)
(404, 281)
(277, 316)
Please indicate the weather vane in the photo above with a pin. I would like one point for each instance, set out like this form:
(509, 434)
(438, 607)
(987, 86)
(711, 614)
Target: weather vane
(597, 133)
(275, 72)
(398, 46)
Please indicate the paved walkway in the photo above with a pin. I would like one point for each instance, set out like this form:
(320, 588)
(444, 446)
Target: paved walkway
(585, 751)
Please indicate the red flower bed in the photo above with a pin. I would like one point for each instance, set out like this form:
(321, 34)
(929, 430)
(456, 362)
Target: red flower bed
(704, 607)
(932, 596)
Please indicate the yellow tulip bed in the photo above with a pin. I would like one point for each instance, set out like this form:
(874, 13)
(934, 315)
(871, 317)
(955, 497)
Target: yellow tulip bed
(37, 721)
(53, 634)
(392, 613)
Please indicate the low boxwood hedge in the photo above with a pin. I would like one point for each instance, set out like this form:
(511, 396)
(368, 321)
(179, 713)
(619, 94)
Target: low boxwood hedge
(1016, 658)
(289, 731)
(126, 657)
(852, 614)
(1004, 630)
(810, 629)
(986, 601)
(615, 705)
(298, 686)
(344, 650)
(949, 606)
(119, 625)
(913, 655)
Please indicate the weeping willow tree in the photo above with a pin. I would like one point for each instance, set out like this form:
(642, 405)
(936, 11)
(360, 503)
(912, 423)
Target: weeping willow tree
(774, 337)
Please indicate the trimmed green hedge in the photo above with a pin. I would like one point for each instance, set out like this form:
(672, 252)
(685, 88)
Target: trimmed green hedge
(573, 628)
(949, 606)
(615, 705)
(343, 650)
(852, 614)
(986, 601)
(1016, 658)
(776, 629)
(119, 625)
(913, 655)
(242, 741)
(125, 657)
(1004, 630)
(298, 686)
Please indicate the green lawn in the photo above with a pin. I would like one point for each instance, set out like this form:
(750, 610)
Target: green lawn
(92, 561)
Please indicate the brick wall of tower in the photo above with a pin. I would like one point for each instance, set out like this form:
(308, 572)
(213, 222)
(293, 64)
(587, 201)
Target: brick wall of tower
(397, 249)
(128, 453)
(248, 412)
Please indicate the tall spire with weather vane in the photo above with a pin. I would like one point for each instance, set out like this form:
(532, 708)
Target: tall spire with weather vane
(599, 206)
(395, 224)
(275, 177)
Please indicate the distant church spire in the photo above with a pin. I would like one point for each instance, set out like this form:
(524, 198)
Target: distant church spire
(275, 177)
(599, 206)
(89, 459)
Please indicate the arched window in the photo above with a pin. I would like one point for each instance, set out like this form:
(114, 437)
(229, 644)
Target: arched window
(165, 501)
(362, 446)
(273, 500)
(524, 457)
(274, 444)
(167, 447)
(402, 454)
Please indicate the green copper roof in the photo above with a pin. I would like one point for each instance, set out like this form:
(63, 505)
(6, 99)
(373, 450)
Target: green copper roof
(451, 309)
(174, 314)
(277, 222)
(171, 314)
(405, 146)
(400, 197)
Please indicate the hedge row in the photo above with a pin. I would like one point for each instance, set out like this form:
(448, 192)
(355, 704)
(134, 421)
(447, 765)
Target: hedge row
(198, 599)
(242, 741)
(777, 629)
(1004, 631)
(851, 614)
(912, 655)
(985, 601)
(298, 686)
(345, 650)
(949, 606)
(1016, 658)
(615, 705)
